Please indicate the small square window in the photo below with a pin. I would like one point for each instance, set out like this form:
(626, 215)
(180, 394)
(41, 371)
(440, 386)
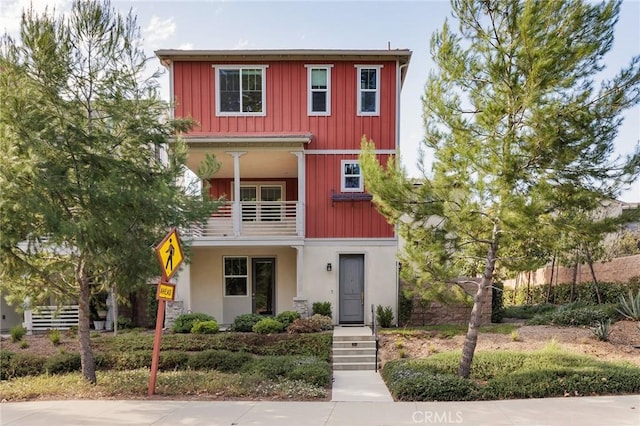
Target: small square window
(235, 276)
(351, 179)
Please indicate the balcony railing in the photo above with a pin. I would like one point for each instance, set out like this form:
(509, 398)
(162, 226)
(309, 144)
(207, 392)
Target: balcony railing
(253, 219)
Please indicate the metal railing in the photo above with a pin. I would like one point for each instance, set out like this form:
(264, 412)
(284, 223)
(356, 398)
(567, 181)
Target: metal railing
(374, 331)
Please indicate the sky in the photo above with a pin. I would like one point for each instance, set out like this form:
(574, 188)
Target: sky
(299, 24)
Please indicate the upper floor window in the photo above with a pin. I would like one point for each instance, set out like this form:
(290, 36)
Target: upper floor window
(240, 90)
(368, 89)
(351, 179)
(319, 92)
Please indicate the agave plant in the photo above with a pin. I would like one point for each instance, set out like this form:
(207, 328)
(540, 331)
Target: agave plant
(602, 330)
(630, 308)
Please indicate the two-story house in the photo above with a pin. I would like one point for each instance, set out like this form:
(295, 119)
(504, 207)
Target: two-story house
(298, 225)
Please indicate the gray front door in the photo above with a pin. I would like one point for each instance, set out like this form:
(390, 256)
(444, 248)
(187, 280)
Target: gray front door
(351, 284)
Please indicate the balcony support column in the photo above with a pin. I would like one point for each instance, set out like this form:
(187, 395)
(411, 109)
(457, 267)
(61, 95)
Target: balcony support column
(300, 304)
(236, 211)
(300, 210)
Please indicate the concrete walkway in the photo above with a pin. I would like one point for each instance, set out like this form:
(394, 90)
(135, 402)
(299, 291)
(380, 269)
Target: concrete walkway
(583, 411)
(362, 386)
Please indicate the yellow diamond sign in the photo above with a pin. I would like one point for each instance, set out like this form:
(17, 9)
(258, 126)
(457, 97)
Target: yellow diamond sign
(169, 253)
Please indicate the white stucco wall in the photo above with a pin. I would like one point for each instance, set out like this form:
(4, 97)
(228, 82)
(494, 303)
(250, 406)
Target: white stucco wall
(206, 277)
(380, 272)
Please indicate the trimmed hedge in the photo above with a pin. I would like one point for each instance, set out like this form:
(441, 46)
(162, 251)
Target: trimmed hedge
(221, 360)
(185, 322)
(575, 315)
(268, 326)
(307, 369)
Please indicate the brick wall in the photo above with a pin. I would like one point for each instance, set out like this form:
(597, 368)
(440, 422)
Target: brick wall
(438, 313)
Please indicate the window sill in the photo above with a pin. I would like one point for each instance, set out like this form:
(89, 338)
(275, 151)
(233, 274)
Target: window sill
(353, 197)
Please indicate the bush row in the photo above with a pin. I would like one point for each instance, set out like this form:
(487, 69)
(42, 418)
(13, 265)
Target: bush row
(561, 293)
(508, 375)
(317, 344)
(576, 314)
(304, 368)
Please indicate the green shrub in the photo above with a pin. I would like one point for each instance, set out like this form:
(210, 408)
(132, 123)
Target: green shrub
(124, 323)
(569, 316)
(268, 326)
(62, 363)
(405, 308)
(24, 344)
(317, 344)
(17, 333)
(527, 311)
(14, 365)
(504, 375)
(384, 316)
(173, 360)
(308, 369)
(313, 324)
(630, 307)
(322, 308)
(205, 327)
(127, 360)
(54, 336)
(561, 293)
(245, 322)
(184, 323)
(221, 360)
(316, 373)
(409, 381)
(287, 317)
(497, 303)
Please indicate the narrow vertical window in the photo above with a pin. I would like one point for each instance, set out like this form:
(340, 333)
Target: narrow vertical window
(319, 93)
(351, 179)
(235, 276)
(368, 96)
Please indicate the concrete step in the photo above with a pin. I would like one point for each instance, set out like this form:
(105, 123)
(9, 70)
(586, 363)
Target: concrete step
(354, 359)
(353, 366)
(353, 351)
(364, 338)
(354, 344)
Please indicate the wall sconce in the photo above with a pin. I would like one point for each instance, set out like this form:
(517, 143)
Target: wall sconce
(328, 267)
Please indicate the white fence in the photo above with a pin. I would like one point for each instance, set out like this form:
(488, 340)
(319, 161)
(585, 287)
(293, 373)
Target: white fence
(44, 318)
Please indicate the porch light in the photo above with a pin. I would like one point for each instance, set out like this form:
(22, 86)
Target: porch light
(328, 267)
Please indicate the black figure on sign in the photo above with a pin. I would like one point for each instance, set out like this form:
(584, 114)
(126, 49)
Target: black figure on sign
(170, 250)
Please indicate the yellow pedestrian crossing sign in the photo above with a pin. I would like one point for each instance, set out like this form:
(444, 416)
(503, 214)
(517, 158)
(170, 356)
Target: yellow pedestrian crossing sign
(169, 253)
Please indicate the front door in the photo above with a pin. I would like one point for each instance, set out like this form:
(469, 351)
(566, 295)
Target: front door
(263, 271)
(351, 284)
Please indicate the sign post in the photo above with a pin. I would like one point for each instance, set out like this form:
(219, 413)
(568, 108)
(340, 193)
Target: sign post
(169, 253)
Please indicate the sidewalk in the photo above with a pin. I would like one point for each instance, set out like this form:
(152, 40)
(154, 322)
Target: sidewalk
(582, 411)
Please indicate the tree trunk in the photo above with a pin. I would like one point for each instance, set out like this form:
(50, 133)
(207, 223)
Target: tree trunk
(574, 279)
(529, 287)
(553, 264)
(84, 323)
(471, 339)
(593, 275)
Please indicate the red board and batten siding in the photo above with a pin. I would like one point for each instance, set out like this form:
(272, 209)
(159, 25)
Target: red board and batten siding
(286, 104)
(339, 219)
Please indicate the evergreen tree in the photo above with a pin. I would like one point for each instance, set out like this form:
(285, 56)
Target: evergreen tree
(88, 184)
(518, 130)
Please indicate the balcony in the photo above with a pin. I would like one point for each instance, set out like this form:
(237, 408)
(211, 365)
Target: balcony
(252, 220)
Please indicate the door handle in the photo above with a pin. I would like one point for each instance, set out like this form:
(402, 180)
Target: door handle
(362, 297)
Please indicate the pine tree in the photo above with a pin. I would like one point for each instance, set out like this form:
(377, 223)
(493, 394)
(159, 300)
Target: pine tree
(518, 132)
(86, 190)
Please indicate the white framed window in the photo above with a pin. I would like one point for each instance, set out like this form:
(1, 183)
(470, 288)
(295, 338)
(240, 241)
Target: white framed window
(235, 272)
(240, 90)
(368, 96)
(351, 176)
(261, 202)
(319, 89)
